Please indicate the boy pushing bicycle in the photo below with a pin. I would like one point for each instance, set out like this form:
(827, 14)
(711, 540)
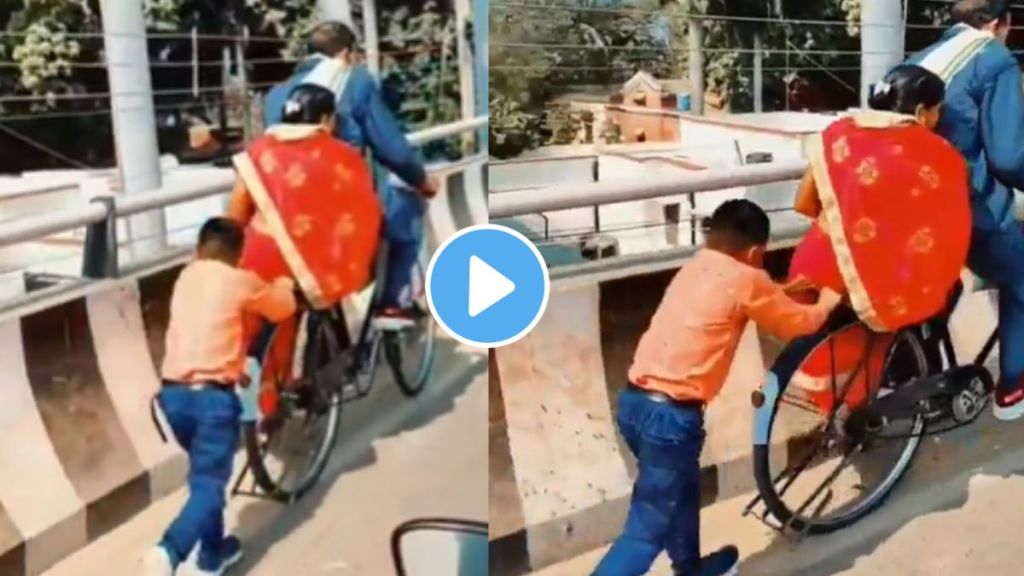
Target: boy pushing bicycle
(680, 365)
(205, 353)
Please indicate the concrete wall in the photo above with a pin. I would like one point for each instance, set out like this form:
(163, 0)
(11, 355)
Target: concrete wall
(779, 132)
(539, 172)
(658, 125)
(560, 475)
(78, 451)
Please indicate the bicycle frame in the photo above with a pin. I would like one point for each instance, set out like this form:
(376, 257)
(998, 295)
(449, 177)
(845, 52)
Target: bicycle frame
(940, 357)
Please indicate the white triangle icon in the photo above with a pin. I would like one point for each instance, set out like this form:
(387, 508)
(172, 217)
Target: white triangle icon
(487, 286)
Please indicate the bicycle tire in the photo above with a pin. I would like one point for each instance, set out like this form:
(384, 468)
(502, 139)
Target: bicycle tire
(411, 384)
(766, 484)
(255, 451)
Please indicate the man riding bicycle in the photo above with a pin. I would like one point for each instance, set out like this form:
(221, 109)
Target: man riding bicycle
(983, 117)
(364, 121)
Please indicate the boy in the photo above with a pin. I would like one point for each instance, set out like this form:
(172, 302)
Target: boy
(680, 365)
(205, 354)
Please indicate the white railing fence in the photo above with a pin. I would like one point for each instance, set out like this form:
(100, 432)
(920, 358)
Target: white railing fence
(546, 200)
(461, 203)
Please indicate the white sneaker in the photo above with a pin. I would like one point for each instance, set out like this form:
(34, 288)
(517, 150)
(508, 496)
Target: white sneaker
(232, 550)
(156, 562)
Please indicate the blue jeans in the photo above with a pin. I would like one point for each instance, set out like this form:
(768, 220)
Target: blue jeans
(205, 424)
(664, 513)
(403, 230)
(997, 255)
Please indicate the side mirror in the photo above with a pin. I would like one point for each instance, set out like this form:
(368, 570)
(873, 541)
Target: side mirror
(440, 547)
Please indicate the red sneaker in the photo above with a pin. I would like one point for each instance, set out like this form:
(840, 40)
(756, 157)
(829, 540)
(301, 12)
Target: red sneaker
(1009, 403)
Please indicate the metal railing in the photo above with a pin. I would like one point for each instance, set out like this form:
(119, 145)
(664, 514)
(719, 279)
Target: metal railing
(99, 217)
(585, 195)
(568, 196)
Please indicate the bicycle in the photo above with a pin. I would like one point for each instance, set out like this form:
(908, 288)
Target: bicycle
(308, 382)
(921, 389)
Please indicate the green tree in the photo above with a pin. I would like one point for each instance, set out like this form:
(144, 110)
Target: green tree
(55, 50)
(512, 130)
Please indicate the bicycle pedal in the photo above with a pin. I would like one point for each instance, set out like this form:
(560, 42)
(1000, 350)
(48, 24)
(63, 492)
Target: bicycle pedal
(350, 392)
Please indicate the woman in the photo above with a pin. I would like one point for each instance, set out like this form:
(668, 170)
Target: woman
(890, 200)
(310, 211)
(308, 202)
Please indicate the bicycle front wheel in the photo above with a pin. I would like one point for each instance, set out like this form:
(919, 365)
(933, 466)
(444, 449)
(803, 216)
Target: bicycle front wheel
(813, 476)
(290, 443)
(410, 353)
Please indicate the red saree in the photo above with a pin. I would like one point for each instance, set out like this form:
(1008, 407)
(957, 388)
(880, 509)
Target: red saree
(893, 233)
(317, 216)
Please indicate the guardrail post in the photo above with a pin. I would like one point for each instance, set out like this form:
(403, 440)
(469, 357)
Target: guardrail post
(693, 218)
(99, 253)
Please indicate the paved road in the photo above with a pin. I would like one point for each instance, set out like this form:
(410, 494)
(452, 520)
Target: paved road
(961, 511)
(397, 459)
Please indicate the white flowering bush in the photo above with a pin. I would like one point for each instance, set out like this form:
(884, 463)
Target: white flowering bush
(55, 47)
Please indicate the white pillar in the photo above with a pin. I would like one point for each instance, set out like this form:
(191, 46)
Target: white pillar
(480, 37)
(467, 89)
(371, 38)
(881, 41)
(135, 142)
(695, 41)
(758, 74)
(336, 10)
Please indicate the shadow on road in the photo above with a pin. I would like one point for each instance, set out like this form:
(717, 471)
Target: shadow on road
(261, 523)
(937, 481)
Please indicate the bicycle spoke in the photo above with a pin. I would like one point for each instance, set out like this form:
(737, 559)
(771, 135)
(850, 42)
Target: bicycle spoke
(803, 465)
(827, 482)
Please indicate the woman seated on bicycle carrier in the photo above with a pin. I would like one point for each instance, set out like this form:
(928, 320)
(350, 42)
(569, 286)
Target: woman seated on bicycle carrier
(681, 365)
(307, 202)
(310, 211)
(892, 215)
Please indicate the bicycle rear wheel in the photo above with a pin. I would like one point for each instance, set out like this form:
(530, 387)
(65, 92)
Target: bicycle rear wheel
(290, 443)
(795, 469)
(410, 353)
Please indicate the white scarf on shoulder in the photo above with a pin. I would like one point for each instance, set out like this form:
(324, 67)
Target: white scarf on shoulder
(330, 73)
(954, 54)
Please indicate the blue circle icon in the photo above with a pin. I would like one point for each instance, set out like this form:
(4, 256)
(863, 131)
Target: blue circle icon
(487, 286)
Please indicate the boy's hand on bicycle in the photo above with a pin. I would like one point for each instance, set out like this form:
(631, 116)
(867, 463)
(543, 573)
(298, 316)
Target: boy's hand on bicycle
(285, 283)
(832, 299)
(429, 188)
(799, 285)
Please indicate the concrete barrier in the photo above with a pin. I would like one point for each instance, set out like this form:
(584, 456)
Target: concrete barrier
(561, 477)
(78, 452)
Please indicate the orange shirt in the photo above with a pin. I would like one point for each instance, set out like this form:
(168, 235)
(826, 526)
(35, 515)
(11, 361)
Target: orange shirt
(206, 337)
(688, 348)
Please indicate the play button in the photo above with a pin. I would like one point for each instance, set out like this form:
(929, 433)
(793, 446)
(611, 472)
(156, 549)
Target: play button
(487, 286)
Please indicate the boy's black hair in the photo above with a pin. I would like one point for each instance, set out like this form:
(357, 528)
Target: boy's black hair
(222, 238)
(331, 38)
(740, 223)
(980, 13)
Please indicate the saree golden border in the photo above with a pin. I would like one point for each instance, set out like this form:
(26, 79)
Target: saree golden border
(275, 225)
(859, 298)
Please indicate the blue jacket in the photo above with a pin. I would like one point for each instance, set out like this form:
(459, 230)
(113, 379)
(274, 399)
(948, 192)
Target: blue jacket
(983, 117)
(364, 121)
